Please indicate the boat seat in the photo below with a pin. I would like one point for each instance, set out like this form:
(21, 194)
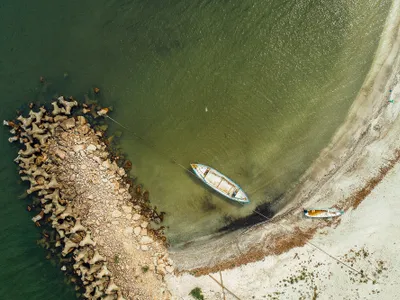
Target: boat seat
(213, 178)
(226, 187)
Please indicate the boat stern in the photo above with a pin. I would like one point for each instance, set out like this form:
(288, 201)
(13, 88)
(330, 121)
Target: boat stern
(200, 170)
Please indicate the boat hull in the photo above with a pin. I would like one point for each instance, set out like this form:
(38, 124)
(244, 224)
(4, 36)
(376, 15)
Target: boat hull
(323, 213)
(220, 183)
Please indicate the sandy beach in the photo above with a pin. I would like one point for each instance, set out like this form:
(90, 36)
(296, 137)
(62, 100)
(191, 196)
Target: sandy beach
(356, 172)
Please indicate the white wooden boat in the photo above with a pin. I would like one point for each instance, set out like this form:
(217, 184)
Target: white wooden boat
(323, 213)
(220, 183)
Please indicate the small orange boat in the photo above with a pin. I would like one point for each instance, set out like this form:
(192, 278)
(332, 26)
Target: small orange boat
(323, 213)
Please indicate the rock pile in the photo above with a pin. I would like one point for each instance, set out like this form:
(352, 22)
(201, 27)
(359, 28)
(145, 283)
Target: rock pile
(86, 199)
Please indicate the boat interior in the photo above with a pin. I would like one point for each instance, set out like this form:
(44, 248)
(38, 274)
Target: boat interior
(220, 183)
(314, 212)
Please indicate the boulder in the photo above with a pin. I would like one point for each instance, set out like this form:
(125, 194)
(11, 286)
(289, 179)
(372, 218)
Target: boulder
(128, 230)
(136, 217)
(61, 154)
(116, 214)
(68, 123)
(126, 209)
(81, 120)
(91, 148)
(121, 172)
(78, 148)
(106, 164)
(144, 224)
(146, 240)
(137, 230)
(84, 129)
(161, 269)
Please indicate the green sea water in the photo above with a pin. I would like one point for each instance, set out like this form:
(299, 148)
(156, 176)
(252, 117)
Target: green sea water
(253, 88)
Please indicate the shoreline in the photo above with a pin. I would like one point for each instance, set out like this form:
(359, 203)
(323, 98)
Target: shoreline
(102, 223)
(363, 145)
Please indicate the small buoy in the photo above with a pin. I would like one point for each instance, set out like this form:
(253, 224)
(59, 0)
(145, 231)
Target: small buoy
(206, 109)
(103, 111)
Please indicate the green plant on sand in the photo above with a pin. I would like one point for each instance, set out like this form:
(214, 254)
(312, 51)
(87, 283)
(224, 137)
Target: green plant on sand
(196, 294)
(116, 259)
(145, 269)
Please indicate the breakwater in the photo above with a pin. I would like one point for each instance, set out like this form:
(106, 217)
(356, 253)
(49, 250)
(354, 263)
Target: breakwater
(96, 221)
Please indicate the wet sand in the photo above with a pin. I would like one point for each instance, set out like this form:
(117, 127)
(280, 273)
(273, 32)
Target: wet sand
(366, 240)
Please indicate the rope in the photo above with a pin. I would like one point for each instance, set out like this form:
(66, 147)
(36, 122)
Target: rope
(224, 287)
(222, 283)
(171, 159)
(255, 211)
(320, 249)
(151, 145)
(338, 260)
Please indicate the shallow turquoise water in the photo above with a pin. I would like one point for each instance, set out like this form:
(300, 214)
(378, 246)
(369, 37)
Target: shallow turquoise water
(276, 77)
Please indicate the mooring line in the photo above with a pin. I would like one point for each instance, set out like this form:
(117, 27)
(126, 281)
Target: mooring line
(224, 287)
(222, 283)
(320, 249)
(338, 260)
(153, 146)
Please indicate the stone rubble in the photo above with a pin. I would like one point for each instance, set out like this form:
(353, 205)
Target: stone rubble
(86, 198)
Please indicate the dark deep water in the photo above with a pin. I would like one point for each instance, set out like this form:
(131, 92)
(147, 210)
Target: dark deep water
(252, 88)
